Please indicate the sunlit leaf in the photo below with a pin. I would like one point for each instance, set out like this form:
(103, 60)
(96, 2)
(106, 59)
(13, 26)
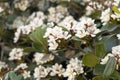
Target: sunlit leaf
(90, 60)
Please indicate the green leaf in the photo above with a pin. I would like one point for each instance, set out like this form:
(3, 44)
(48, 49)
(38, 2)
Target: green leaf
(116, 75)
(113, 41)
(99, 34)
(38, 47)
(115, 9)
(90, 60)
(98, 70)
(104, 45)
(100, 78)
(110, 67)
(100, 50)
(104, 39)
(37, 37)
(110, 27)
(13, 76)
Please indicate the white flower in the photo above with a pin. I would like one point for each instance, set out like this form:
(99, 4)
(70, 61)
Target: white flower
(80, 33)
(34, 21)
(1, 9)
(17, 35)
(89, 10)
(26, 74)
(91, 28)
(74, 68)
(115, 54)
(41, 58)
(116, 2)
(26, 29)
(116, 51)
(86, 26)
(2, 65)
(40, 72)
(22, 5)
(16, 54)
(70, 74)
(56, 32)
(56, 14)
(21, 66)
(57, 70)
(38, 14)
(105, 16)
(53, 34)
(106, 58)
(68, 23)
(88, 22)
(118, 35)
(108, 3)
(66, 35)
(53, 45)
(92, 31)
(37, 22)
(38, 57)
(76, 64)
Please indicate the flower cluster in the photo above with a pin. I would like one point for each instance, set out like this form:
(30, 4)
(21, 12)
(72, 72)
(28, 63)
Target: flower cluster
(56, 14)
(105, 16)
(22, 5)
(41, 72)
(115, 53)
(55, 33)
(35, 21)
(16, 54)
(95, 5)
(21, 68)
(74, 68)
(3, 65)
(57, 70)
(41, 58)
(107, 13)
(84, 27)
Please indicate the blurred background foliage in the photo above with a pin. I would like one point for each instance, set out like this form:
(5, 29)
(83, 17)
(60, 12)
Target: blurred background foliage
(91, 52)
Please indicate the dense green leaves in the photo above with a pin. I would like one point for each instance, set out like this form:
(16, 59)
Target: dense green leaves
(13, 76)
(98, 69)
(90, 60)
(115, 75)
(111, 42)
(99, 78)
(104, 45)
(39, 41)
(110, 67)
(100, 49)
